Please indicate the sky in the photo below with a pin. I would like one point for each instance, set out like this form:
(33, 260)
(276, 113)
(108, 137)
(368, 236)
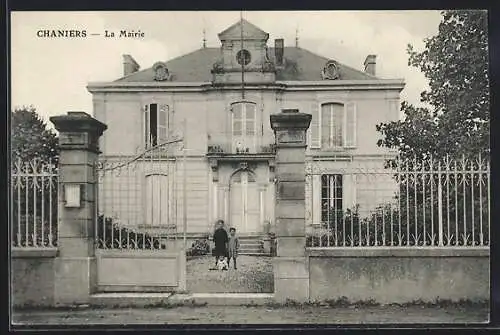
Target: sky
(52, 73)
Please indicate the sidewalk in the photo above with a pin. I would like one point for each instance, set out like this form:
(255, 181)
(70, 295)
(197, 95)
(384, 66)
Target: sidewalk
(254, 315)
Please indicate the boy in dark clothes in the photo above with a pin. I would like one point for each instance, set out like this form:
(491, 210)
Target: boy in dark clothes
(221, 239)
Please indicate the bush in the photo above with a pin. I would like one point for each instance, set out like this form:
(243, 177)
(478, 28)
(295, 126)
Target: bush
(110, 235)
(199, 248)
(407, 223)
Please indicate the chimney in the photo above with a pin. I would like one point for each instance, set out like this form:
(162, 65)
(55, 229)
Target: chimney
(278, 51)
(129, 65)
(370, 64)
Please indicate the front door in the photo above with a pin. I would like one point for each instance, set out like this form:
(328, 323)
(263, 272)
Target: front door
(244, 203)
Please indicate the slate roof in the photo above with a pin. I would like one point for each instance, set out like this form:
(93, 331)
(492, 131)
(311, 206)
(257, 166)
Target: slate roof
(301, 65)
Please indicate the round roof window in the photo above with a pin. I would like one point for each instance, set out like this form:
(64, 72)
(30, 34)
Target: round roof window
(243, 57)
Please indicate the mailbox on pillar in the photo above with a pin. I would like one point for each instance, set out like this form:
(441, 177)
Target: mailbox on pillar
(72, 195)
(75, 268)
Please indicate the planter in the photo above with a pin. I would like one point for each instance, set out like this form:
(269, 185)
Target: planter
(272, 244)
(267, 245)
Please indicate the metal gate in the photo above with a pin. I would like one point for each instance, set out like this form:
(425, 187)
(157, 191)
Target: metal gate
(141, 220)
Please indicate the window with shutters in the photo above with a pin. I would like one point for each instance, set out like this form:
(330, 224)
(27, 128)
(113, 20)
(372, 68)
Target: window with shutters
(156, 124)
(333, 125)
(243, 126)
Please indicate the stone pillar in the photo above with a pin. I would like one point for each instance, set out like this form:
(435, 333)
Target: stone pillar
(291, 268)
(76, 266)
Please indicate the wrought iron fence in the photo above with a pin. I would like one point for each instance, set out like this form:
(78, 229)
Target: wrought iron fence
(34, 189)
(431, 203)
(138, 202)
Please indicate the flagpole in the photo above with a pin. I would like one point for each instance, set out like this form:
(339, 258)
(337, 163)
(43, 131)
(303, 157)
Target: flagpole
(242, 58)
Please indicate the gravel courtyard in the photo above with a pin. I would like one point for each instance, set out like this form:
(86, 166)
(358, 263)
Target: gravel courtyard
(254, 275)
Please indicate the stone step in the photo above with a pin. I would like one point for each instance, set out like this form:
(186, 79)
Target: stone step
(256, 247)
(262, 253)
(250, 244)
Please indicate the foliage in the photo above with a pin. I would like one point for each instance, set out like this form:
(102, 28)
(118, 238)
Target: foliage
(111, 235)
(456, 123)
(199, 248)
(30, 231)
(30, 137)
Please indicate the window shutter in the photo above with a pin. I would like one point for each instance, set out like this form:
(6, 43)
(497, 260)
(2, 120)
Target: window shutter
(315, 141)
(316, 199)
(162, 124)
(146, 125)
(393, 111)
(350, 125)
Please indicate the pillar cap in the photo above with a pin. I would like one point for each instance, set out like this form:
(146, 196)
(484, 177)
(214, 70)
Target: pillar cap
(77, 121)
(290, 119)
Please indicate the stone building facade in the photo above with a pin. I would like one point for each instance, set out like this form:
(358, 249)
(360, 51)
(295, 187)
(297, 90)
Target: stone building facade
(221, 100)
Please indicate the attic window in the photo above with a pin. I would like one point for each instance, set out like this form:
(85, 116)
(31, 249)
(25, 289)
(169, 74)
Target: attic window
(243, 57)
(330, 71)
(160, 71)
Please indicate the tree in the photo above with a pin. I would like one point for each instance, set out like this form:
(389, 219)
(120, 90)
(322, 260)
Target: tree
(33, 180)
(30, 137)
(454, 129)
(455, 62)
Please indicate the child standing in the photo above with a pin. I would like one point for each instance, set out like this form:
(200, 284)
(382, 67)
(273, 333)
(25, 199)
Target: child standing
(233, 245)
(221, 240)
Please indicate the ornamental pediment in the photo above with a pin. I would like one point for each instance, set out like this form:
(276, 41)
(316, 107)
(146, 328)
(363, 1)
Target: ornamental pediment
(249, 30)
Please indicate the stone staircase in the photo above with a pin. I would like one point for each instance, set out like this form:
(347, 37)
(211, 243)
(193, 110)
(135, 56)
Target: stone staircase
(251, 245)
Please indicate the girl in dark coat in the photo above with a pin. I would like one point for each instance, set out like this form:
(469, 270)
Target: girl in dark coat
(221, 240)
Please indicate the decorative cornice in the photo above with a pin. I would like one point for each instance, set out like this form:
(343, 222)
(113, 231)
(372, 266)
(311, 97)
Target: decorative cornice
(324, 85)
(381, 84)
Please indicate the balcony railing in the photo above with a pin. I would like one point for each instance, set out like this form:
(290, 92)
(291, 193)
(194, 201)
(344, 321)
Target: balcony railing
(220, 144)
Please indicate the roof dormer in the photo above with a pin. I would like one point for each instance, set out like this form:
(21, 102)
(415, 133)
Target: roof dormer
(244, 49)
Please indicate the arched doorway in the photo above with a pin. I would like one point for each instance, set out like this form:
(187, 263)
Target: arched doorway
(244, 203)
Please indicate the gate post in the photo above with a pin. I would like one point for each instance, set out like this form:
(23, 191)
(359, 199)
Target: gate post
(291, 268)
(76, 266)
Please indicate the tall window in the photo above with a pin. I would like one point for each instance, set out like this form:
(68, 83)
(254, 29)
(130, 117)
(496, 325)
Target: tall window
(243, 125)
(156, 121)
(332, 122)
(333, 125)
(331, 198)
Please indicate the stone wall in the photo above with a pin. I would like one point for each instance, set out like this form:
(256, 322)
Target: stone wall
(399, 275)
(32, 277)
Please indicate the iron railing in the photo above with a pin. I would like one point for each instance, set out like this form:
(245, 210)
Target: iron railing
(138, 200)
(430, 203)
(226, 143)
(34, 189)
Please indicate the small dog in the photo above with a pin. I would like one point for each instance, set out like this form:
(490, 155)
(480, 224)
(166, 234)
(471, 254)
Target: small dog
(222, 264)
